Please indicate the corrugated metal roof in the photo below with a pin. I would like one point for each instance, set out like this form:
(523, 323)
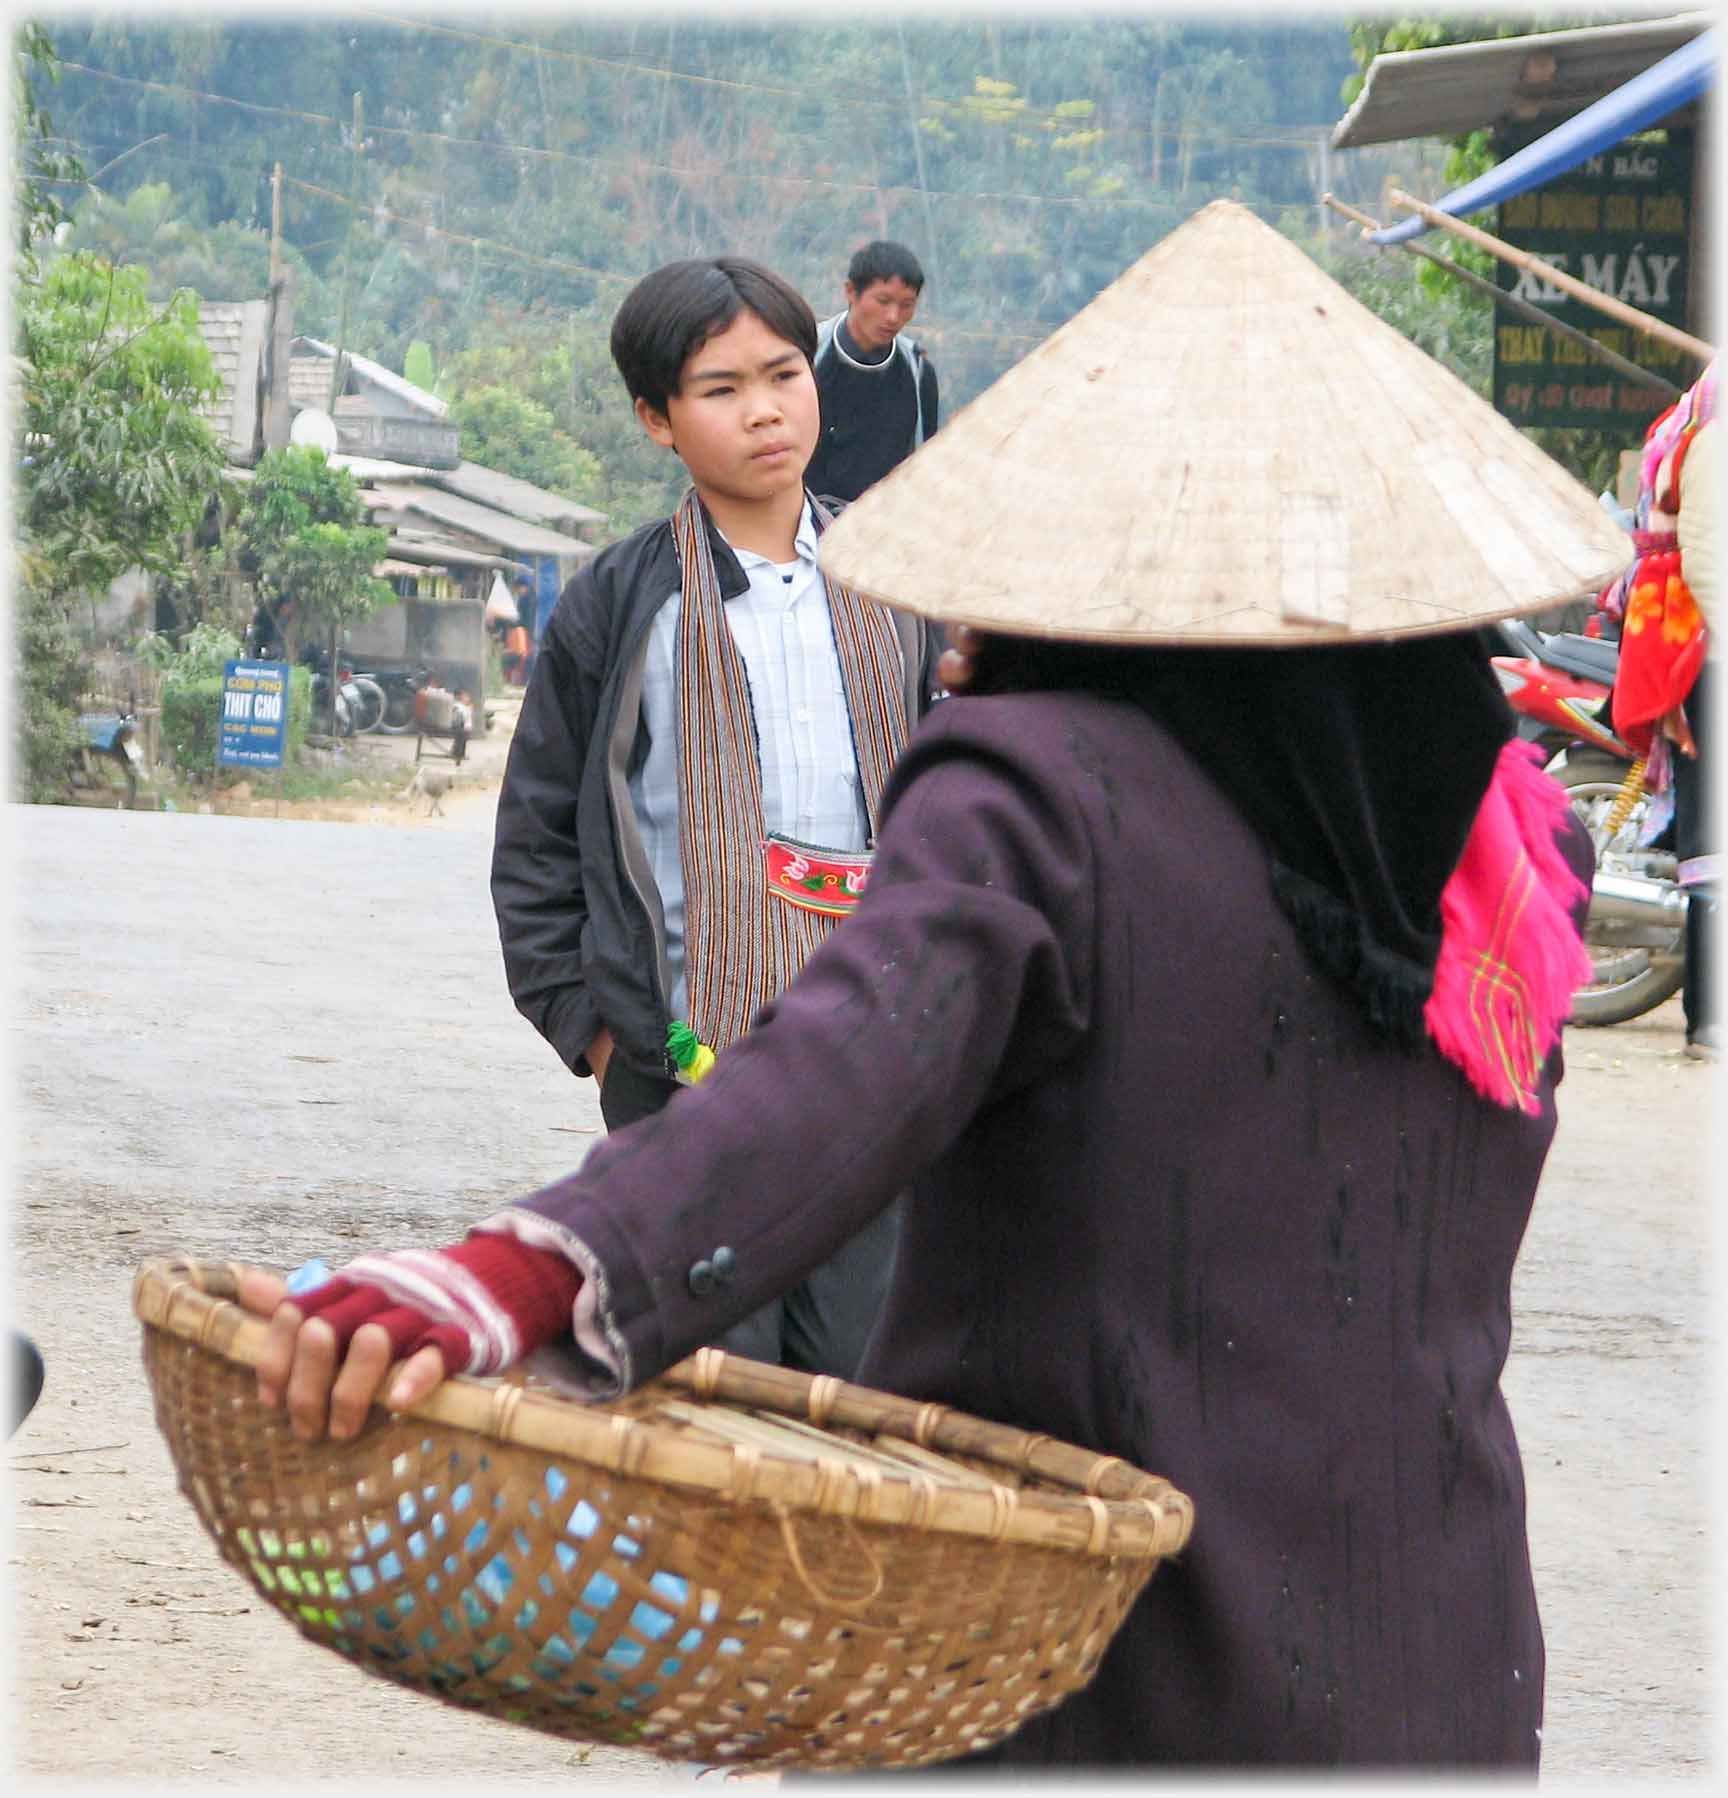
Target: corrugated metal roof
(481, 521)
(425, 550)
(1537, 80)
(509, 493)
(417, 397)
(377, 468)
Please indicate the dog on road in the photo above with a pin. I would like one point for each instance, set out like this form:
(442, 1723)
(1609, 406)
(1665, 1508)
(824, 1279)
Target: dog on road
(431, 784)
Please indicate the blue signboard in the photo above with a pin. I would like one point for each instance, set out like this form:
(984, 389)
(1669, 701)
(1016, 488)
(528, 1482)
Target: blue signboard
(253, 728)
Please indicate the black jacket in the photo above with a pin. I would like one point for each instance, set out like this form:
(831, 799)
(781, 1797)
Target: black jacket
(871, 419)
(579, 915)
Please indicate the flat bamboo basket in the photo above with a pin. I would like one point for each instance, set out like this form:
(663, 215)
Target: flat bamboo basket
(737, 1564)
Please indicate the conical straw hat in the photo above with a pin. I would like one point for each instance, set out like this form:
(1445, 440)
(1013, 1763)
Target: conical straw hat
(1224, 446)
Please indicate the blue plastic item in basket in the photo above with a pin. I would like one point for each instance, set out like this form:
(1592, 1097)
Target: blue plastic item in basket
(482, 1602)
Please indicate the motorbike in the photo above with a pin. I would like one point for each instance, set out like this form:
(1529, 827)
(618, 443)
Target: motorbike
(360, 700)
(1558, 685)
(399, 685)
(110, 739)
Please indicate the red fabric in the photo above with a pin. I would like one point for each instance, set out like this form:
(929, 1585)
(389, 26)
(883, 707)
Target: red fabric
(1510, 953)
(1662, 644)
(345, 1307)
(534, 1287)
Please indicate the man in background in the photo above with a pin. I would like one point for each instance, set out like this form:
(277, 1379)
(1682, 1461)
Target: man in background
(876, 385)
(527, 644)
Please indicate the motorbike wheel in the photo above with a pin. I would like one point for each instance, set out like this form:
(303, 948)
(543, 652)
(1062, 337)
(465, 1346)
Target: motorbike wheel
(368, 702)
(398, 717)
(1628, 979)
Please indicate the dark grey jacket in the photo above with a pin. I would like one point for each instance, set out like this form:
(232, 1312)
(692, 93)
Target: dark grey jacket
(1172, 1200)
(579, 916)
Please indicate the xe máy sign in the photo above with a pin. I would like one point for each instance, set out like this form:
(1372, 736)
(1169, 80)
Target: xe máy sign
(253, 728)
(1620, 223)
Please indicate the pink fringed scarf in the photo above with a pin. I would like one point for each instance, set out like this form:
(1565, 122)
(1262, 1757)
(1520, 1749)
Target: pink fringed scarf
(1510, 955)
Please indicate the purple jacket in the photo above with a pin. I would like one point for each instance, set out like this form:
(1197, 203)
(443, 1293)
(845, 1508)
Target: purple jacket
(1172, 1201)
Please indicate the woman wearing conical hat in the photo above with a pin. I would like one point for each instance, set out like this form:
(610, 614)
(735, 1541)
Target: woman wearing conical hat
(1207, 991)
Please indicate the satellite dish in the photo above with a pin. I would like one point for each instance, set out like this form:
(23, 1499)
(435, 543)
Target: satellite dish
(313, 427)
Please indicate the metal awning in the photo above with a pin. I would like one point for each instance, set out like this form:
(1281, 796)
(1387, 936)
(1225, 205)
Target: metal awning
(507, 493)
(482, 522)
(435, 551)
(1675, 81)
(1529, 81)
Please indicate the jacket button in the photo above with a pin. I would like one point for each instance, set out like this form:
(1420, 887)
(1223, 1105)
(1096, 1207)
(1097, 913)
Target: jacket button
(700, 1278)
(725, 1266)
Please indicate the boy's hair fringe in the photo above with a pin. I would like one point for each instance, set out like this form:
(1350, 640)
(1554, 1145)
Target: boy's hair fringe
(668, 316)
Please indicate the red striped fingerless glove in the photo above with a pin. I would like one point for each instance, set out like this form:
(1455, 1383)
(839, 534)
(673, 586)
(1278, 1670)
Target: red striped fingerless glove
(484, 1304)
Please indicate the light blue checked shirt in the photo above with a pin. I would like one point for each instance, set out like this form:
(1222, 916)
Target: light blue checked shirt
(809, 774)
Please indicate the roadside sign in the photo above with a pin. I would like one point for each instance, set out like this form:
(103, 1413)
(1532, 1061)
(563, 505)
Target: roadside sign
(253, 729)
(1621, 223)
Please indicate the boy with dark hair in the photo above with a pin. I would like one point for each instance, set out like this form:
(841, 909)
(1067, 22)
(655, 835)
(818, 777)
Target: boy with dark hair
(877, 386)
(692, 790)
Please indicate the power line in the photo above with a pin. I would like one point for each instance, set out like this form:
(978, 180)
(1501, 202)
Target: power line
(656, 71)
(633, 166)
(580, 270)
(1217, 142)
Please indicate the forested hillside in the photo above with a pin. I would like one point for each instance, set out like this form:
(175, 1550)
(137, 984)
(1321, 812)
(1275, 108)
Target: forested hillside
(513, 178)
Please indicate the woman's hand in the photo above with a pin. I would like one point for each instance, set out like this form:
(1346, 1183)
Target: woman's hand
(599, 1053)
(957, 665)
(329, 1374)
(388, 1328)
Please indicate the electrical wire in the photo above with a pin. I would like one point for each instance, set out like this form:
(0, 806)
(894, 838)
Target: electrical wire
(635, 165)
(656, 71)
(580, 270)
(1216, 141)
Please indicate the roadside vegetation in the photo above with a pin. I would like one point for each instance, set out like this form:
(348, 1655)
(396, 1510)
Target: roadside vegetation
(507, 189)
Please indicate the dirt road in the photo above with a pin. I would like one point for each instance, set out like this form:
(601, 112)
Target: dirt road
(268, 1039)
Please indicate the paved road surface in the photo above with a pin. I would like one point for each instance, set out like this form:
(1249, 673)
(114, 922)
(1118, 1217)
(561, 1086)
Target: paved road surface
(270, 1038)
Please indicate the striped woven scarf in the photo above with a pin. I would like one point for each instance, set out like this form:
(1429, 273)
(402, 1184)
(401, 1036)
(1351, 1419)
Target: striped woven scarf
(741, 944)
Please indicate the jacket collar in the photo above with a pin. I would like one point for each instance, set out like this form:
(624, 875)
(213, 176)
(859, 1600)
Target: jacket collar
(727, 568)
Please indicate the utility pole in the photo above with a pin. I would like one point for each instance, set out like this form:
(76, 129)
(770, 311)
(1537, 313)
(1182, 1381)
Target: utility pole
(347, 256)
(276, 402)
(276, 225)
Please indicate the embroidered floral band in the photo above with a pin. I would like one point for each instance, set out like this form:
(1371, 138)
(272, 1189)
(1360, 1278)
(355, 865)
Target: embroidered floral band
(815, 879)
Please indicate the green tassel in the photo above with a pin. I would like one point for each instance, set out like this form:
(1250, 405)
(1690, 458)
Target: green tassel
(690, 1055)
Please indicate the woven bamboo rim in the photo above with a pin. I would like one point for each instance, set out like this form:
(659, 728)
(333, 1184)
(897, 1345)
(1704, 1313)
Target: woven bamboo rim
(1107, 1508)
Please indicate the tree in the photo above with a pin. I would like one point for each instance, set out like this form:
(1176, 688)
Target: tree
(49, 670)
(504, 429)
(565, 368)
(117, 464)
(304, 539)
(43, 161)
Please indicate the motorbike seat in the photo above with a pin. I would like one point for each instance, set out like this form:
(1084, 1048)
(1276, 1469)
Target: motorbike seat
(102, 730)
(1589, 658)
